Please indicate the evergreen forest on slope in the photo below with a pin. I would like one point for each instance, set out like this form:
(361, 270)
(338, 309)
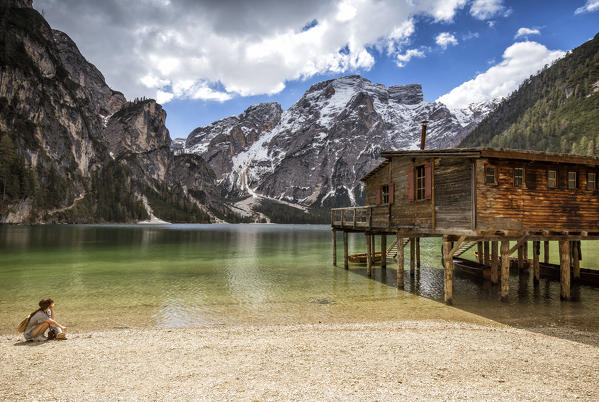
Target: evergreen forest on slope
(556, 110)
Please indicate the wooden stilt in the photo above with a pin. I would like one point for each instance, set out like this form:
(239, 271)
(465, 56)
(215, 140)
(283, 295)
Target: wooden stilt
(345, 259)
(487, 257)
(520, 257)
(546, 252)
(494, 262)
(383, 251)
(418, 252)
(505, 269)
(372, 246)
(448, 267)
(400, 263)
(536, 245)
(368, 255)
(334, 247)
(479, 249)
(412, 253)
(564, 257)
(576, 260)
(525, 254)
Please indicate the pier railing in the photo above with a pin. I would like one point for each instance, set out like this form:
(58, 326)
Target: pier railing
(364, 217)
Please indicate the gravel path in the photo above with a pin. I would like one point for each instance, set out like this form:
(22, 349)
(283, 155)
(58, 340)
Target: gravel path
(380, 361)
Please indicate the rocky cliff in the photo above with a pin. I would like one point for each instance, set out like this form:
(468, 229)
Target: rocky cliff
(137, 132)
(74, 150)
(102, 98)
(315, 153)
(218, 142)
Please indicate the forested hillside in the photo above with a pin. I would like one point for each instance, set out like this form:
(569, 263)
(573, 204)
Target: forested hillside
(556, 110)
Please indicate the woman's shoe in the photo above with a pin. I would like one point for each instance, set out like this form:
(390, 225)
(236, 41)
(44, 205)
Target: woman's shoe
(61, 337)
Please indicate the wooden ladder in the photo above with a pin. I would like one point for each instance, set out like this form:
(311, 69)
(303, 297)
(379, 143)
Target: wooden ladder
(392, 250)
(467, 245)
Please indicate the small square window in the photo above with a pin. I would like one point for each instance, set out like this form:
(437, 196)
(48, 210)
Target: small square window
(518, 177)
(420, 182)
(572, 180)
(490, 175)
(591, 181)
(551, 179)
(385, 193)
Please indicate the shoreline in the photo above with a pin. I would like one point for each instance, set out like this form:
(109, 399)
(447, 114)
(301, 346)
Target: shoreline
(377, 360)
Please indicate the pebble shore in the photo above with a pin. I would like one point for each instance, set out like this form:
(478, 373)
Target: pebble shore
(373, 361)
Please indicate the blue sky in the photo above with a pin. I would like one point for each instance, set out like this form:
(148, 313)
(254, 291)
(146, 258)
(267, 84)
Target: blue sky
(205, 72)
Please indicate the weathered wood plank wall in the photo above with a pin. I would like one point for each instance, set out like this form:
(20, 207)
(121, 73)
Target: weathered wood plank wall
(453, 195)
(534, 205)
(377, 179)
(451, 191)
(404, 212)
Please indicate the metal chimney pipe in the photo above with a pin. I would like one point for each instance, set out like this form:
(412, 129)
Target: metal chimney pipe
(423, 136)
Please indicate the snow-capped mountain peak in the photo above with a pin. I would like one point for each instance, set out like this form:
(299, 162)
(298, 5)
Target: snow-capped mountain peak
(315, 152)
(475, 112)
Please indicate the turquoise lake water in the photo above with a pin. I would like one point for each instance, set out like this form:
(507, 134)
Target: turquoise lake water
(115, 276)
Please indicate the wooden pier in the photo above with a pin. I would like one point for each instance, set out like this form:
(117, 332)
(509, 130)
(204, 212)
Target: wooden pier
(482, 199)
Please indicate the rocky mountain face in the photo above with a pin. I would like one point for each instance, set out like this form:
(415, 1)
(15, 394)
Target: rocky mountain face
(137, 137)
(137, 132)
(74, 150)
(315, 153)
(102, 98)
(218, 142)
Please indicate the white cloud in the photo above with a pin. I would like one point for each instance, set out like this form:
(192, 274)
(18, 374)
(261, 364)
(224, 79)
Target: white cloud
(218, 50)
(189, 89)
(527, 31)
(403, 59)
(485, 9)
(399, 36)
(445, 39)
(163, 97)
(589, 7)
(445, 10)
(152, 81)
(346, 11)
(520, 60)
(470, 35)
(207, 93)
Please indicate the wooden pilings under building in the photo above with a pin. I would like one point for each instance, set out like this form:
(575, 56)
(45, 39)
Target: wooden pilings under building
(498, 257)
(497, 201)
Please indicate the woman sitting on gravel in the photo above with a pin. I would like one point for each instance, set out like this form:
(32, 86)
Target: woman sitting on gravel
(42, 320)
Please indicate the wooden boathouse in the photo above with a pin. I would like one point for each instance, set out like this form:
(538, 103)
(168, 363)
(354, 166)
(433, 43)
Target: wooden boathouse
(477, 197)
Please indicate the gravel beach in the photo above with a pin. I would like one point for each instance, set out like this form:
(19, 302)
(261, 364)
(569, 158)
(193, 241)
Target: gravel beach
(374, 361)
